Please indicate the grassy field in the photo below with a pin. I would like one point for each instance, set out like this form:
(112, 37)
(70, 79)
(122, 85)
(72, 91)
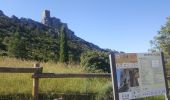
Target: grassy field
(19, 86)
(22, 83)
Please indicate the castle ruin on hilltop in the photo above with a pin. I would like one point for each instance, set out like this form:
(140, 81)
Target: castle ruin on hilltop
(45, 17)
(55, 23)
(50, 21)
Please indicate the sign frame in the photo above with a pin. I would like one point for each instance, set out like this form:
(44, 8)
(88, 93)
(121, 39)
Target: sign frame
(114, 76)
(112, 59)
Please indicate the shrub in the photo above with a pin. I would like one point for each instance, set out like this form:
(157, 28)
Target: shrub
(95, 60)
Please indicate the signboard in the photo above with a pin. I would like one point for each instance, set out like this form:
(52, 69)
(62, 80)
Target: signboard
(138, 75)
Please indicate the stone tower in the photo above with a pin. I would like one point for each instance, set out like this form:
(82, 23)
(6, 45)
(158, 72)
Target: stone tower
(55, 23)
(46, 17)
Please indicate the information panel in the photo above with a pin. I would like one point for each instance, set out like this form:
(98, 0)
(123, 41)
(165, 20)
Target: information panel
(139, 75)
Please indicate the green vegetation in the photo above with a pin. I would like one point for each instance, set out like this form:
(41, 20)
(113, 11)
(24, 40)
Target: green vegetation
(162, 41)
(63, 46)
(30, 40)
(29, 44)
(17, 46)
(106, 92)
(95, 61)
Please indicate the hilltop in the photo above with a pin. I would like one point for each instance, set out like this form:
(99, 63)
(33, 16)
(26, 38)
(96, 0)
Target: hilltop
(39, 40)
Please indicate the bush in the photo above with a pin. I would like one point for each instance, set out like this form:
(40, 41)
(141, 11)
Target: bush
(95, 60)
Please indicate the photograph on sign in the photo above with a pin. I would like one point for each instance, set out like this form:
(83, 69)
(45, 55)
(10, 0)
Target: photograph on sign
(127, 78)
(139, 75)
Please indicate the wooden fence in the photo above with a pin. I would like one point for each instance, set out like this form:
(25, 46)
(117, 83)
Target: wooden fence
(37, 73)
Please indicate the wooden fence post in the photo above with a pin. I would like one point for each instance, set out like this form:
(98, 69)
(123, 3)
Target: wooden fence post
(35, 83)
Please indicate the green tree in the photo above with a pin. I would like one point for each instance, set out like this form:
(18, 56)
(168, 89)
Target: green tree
(2, 44)
(161, 41)
(17, 46)
(63, 46)
(2, 48)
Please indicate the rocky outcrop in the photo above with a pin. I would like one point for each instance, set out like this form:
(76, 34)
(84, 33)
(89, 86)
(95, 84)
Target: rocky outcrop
(30, 23)
(1, 13)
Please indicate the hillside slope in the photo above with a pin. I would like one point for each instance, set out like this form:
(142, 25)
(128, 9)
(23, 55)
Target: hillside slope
(39, 41)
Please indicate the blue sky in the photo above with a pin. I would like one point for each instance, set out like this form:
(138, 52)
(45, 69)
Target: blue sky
(123, 25)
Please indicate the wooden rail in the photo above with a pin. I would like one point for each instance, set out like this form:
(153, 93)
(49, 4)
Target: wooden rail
(72, 75)
(168, 78)
(20, 70)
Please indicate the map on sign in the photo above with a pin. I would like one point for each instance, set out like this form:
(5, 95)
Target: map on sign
(139, 75)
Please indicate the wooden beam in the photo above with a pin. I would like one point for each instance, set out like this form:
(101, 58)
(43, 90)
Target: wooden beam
(20, 70)
(72, 75)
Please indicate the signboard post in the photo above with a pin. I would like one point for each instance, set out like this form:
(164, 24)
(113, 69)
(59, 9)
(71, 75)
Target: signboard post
(114, 76)
(165, 76)
(137, 75)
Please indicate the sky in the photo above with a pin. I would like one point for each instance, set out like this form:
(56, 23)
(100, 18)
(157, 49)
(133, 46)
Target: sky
(122, 25)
